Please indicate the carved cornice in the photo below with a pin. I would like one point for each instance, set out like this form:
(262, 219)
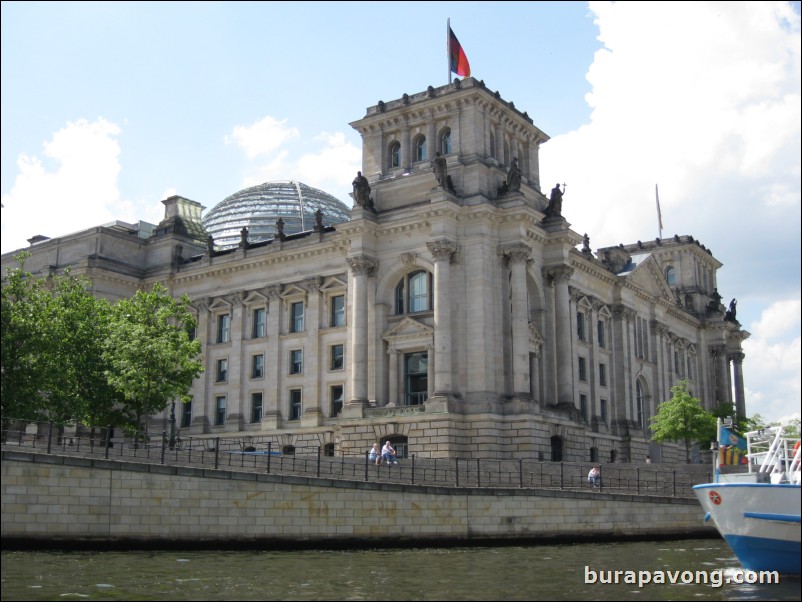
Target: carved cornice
(622, 311)
(558, 274)
(736, 357)
(312, 285)
(362, 265)
(442, 249)
(272, 292)
(516, 253)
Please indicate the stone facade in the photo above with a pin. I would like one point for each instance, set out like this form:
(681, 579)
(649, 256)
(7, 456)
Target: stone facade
(456, 319)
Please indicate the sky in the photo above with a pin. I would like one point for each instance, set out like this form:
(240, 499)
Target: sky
(110, 107)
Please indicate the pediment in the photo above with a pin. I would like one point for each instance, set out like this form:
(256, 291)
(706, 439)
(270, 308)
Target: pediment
(648, 276)
(406, 329)
(333, 283)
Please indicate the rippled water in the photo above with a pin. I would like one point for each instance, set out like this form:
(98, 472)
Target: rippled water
(500, 573)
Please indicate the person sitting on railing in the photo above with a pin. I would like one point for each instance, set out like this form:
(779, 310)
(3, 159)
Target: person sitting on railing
(594, 477)
(388, 453)
(374, 455)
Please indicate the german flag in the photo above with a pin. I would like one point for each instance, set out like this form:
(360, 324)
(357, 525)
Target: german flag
(456, 56)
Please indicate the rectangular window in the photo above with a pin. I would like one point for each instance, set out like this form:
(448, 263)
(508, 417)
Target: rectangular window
(297, 317)
(336, 357)
(603, 404)
(296, 361)
(583, 407)
(336, 400)
(186, 414)
(416, 378)
(256, 407)
(603, 375)
(222, 371)
(223, 328)
(600, 333)
(258, 323)
(338, 310)
(583, 371)
(580, 326)
(258, 366)
(295, 404)
(220, 410)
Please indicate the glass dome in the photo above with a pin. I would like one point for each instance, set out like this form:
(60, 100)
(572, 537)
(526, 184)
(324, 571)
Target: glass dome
(259, 207)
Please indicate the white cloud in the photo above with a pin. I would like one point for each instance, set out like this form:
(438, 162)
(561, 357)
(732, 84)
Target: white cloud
(72, 188)
(684, 94)
(262, 137)
(702, 99)
(328, 161)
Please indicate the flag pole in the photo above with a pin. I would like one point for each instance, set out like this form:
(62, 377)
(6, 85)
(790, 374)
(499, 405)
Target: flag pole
(448, 48)
(659, 214)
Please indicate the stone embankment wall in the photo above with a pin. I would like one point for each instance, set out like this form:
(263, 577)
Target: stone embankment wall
(48, 500)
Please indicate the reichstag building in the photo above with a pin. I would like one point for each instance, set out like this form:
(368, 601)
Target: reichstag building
(448, 307)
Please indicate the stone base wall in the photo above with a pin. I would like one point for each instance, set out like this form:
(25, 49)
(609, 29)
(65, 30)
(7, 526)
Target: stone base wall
(55, 499)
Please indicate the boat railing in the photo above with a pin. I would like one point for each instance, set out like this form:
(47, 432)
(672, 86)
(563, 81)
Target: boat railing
(775, 454)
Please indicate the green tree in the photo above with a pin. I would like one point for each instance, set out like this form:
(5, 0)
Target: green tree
(24, 361)
(77, 327)
(151, 358)
(682, 418)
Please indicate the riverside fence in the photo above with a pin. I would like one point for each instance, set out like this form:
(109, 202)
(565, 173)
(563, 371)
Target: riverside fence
(267, 455)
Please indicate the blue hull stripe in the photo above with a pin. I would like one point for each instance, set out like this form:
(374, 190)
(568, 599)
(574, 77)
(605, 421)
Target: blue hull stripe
(760, 554)
(783, 518)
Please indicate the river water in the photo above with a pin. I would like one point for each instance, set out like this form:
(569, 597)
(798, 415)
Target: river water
(546, 572)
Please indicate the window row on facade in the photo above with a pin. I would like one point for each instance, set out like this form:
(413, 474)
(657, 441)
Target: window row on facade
(294, 406)
(295, 363)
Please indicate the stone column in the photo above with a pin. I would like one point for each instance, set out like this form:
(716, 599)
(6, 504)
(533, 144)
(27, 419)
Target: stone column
(500, 143)
(737, 368)
(312, 373)
(442, 250)
(392, 377)
(271, 417)
(721, 371)
(562, 307)
(237, 372)
(406, 151)
(534, 165)
(202, 406)
(521, 385)
(431, 138)
(362, 267)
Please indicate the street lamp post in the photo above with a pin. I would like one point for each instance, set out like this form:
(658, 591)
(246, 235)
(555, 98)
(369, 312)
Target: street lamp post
(172, 425)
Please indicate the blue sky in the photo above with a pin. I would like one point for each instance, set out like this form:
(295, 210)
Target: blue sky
(108, 108)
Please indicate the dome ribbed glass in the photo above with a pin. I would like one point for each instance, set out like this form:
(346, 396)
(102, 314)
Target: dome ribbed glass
(259, 207)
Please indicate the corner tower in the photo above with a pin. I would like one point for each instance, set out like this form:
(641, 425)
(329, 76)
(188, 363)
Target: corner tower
(479, 134)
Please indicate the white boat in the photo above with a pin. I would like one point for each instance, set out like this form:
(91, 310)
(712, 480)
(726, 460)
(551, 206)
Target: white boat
(757, 512)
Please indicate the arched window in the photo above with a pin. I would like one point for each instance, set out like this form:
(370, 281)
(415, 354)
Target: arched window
(420, 148)
(670, 278)
(394, 157)
(445, 141)
(639, 401)
(414, 293)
